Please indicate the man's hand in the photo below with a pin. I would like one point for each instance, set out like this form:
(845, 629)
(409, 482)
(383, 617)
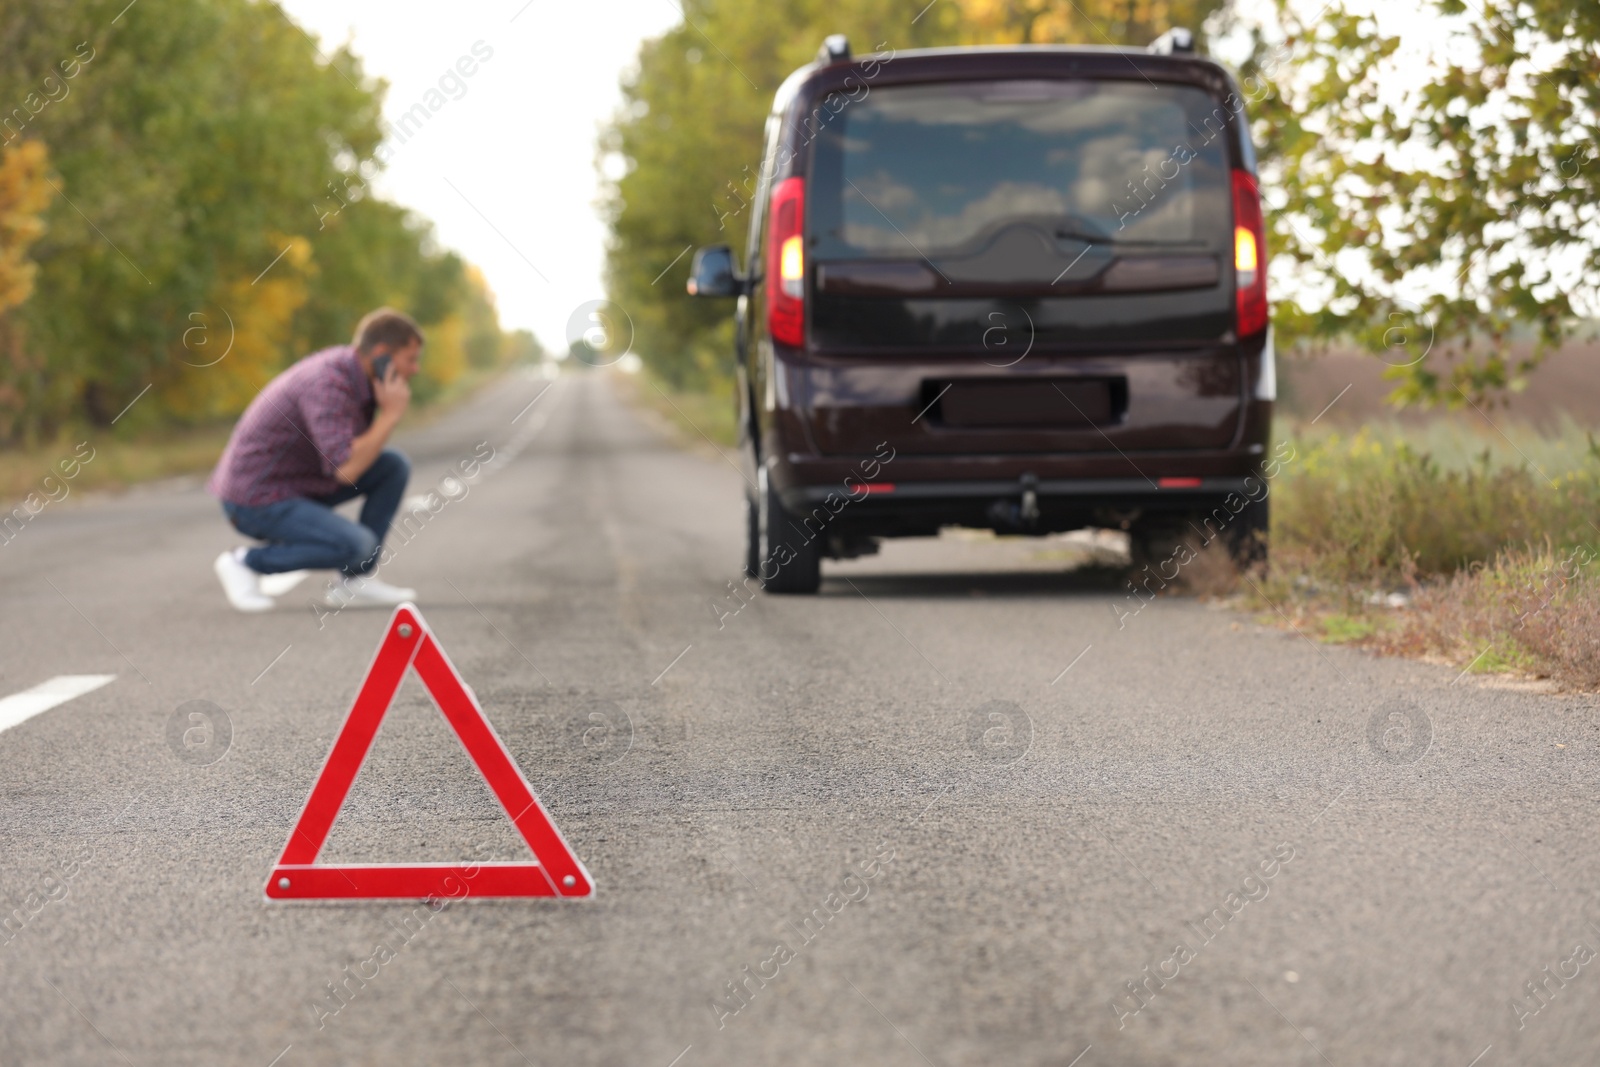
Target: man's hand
(393, 394)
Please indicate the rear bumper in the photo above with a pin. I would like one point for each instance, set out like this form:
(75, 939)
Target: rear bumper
(810, 476)
(1136, 492)
(1042, 506)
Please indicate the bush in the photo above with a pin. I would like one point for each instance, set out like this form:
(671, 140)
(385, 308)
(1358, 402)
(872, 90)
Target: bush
(1534, 611)
(1374, 513)
(1497, 553)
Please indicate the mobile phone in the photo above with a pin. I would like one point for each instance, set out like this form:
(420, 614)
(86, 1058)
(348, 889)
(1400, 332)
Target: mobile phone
(380, 366)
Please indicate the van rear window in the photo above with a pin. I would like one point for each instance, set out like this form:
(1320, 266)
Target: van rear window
(937, 171)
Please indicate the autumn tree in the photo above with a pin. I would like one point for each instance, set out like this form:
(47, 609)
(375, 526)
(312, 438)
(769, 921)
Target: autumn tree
(209, 216)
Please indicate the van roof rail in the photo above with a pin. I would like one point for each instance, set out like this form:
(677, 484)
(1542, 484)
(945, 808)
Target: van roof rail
(835, 49)
(1176, 41)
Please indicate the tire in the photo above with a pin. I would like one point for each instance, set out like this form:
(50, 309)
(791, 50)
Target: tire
(1154, 541)
(1247, 537)
(787, 562)
(752, 539)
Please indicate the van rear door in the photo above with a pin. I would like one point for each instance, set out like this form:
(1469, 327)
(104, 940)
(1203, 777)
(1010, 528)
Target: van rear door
(1040, 265)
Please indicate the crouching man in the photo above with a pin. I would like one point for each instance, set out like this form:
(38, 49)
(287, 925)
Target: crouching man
(313, 439)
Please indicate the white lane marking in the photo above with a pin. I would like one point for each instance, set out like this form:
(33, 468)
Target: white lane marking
(512, 448)
(532, 402)
(276, 585)
(20, 707)
(519, 440)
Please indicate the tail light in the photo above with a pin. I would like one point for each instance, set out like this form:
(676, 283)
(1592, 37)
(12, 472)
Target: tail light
(1249, 254)
(786, 266)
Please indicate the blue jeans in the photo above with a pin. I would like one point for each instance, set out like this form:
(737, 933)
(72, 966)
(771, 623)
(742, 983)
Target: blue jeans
(305, 534)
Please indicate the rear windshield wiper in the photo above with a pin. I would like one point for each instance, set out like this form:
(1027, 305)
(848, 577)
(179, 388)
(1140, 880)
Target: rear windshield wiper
(1070, 232)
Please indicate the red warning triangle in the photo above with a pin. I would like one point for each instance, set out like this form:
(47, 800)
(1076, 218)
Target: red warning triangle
(409, 643)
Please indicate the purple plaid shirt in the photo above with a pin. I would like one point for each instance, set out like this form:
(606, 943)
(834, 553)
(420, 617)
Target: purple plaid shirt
(296, 433)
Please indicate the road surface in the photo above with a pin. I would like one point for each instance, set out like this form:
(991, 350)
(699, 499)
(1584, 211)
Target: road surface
(951, 811)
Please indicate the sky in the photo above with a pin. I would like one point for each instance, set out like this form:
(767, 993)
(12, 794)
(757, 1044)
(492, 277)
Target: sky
(505, 169)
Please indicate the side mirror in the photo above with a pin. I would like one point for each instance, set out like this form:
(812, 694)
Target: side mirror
(713, 274)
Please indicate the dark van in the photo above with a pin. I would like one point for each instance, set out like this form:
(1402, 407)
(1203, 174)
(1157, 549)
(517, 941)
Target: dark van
(1014, 288)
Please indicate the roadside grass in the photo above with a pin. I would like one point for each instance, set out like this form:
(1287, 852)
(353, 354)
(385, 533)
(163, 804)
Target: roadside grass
(1533, 611)
(1444, 543)
(135, 453)
(1382, 508)
(117, 461)
(1339, 628)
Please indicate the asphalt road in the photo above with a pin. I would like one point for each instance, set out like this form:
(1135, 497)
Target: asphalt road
(943, 813)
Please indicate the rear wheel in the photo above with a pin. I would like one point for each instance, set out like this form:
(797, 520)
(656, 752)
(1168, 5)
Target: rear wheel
(788, 562)
(752, 538)
(1152, 542)
(1157, 541)
(1247, 535)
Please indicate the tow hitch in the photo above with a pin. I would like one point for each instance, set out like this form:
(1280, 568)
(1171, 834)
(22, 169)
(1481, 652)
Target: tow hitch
(1020, 515)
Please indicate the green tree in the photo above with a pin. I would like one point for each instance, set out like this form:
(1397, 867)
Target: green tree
(1430, 224)
(521, 346)
(210, 174)
(689, 132)
(187, 152)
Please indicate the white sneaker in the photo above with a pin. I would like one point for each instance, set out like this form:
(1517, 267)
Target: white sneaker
(241, 584)
(277, 585)
(366, 592)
